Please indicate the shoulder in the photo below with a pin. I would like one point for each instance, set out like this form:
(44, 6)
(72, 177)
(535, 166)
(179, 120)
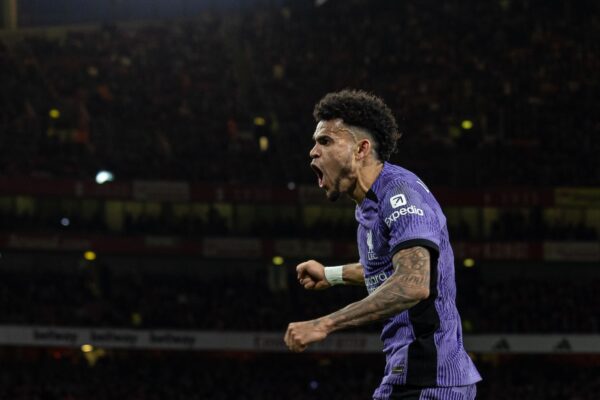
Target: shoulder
(405, 200)
(400, 186)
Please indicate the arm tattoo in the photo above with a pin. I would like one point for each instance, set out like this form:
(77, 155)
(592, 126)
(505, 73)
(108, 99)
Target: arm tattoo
(408, 284)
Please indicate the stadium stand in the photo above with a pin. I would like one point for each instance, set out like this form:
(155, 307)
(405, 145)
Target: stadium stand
(198, 86)
(206, 124)
(61, 374)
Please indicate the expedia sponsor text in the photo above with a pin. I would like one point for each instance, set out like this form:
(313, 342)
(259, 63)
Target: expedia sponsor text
(403, 211)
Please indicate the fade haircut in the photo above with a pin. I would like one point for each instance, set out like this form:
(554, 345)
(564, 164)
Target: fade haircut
(364, 110)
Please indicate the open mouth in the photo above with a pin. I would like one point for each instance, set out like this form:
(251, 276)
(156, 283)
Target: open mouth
(319, 174)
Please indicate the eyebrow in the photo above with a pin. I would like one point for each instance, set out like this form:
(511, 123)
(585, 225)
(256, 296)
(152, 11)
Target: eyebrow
(316, 136)
(347, 130)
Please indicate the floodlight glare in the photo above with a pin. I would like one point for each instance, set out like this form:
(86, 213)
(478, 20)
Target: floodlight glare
(263, 143)
(467, 124)
(104, 176)
(54, 113)
(87, 348)
(469, 262)
(89, 255)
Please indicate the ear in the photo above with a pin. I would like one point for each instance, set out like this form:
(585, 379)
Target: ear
(363, 149)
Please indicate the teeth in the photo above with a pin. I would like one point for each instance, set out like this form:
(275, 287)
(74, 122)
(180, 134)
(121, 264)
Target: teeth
(320, 175)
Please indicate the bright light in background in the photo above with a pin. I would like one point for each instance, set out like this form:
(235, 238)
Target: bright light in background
(54, 113)
(89, 255)
(65, 221)
(87, 348)
(291, 185)
(467, 124)
(104, 176)
(277, 260)
(263, 143)
(469, 262)
(260, 121)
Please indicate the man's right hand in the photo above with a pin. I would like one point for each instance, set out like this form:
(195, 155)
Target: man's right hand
(311, 275)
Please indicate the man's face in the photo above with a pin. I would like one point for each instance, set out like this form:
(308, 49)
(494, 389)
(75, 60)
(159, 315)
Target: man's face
(333, 158)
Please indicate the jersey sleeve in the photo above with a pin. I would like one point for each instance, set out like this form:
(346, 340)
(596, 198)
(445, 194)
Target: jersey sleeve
(410, 218)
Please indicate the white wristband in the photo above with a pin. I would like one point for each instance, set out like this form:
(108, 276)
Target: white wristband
(334, 275)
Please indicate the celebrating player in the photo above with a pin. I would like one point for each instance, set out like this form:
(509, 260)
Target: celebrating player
(406, 261)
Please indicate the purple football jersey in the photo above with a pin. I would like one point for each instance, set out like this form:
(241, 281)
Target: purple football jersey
(424, 344)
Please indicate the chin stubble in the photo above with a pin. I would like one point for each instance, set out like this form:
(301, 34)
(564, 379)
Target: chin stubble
(336, 190)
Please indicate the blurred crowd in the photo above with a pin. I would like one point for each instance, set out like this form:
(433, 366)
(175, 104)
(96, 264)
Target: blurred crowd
(506, 225)
(539, 378)
(186, 376)
(143, 102)
(523, 73)
(62, 375)
(517, 226)
(493, 93)
(268, 299)
(526, 305)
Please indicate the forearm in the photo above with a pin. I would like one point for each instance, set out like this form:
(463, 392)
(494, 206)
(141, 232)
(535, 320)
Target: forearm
(408, 285)
(388, 300)
(353, 274)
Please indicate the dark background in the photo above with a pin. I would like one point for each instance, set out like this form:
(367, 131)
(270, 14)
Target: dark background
(498, 105)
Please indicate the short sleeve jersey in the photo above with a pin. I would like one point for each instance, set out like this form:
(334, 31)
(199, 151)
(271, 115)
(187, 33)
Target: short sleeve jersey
(424, 344)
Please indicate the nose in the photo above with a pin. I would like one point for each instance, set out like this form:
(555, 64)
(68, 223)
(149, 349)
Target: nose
(314, 152)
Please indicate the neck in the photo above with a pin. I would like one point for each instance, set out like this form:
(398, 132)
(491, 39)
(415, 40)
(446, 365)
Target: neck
(365, 177)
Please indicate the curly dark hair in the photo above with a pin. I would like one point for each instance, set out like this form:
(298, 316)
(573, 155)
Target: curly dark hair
(364, 110)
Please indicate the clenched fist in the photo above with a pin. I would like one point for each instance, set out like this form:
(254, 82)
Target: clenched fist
(311, 275)
(300, 334)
